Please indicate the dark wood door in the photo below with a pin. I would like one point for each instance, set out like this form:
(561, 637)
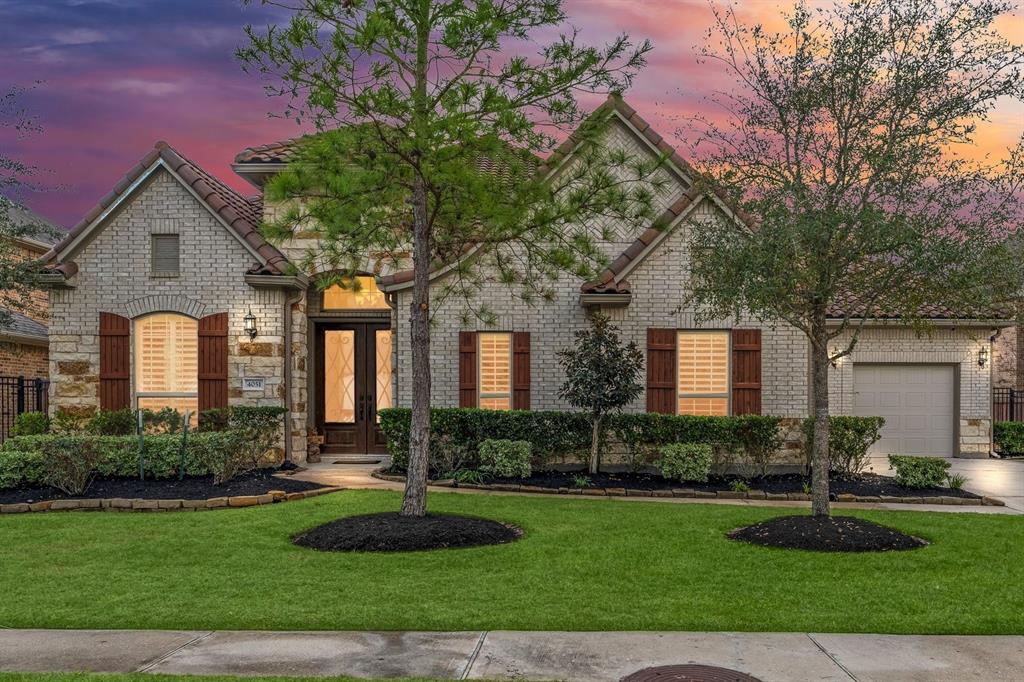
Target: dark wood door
(354, 381)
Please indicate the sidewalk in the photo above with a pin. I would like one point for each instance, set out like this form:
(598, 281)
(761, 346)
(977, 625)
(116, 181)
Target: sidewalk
(582, 656)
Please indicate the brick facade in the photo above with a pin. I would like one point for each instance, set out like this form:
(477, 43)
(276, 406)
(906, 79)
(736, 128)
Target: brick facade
(114, 276)
(20, 359)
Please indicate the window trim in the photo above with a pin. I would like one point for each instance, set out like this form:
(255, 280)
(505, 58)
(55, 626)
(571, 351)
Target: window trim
(728, 369)
(480, 395)
(136, 365)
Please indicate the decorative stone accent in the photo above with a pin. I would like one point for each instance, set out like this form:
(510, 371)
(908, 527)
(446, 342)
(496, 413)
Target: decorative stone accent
(250, 349)
(18, 508)
(74, 367)
(243, 501)
(138, 505)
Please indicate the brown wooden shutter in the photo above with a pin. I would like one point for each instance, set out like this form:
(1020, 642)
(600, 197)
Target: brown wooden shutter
(661, 370)
(467, 369)
(213, 361)
(521, 370)
(746, 371)
(115, 362)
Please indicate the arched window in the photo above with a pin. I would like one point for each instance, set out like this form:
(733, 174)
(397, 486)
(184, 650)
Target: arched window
(166, 362)
(361, 294)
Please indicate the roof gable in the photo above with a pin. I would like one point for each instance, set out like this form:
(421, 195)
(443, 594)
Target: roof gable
(239, 215)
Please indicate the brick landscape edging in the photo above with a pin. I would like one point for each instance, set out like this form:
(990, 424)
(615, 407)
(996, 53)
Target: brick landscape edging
(121, 504)
(705, 494)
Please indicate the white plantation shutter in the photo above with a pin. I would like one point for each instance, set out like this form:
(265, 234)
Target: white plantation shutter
(703, 372)
(495, 357)
(166, 361)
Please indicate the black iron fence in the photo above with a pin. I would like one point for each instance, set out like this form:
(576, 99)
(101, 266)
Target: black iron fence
(18, 395)
(1007, 405)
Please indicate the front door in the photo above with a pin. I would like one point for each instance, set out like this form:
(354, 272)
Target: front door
(354, 364)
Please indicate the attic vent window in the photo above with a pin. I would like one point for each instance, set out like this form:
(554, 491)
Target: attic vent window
(166, 258)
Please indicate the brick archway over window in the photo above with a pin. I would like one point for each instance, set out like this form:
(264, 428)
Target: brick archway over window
(166, 303)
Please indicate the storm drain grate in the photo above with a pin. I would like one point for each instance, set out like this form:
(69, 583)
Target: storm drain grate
(688, 673)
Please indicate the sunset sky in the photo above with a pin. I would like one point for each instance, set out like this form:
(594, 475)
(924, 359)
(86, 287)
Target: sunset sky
(117, 75)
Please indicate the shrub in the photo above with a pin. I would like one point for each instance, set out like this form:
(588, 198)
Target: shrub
(686, 461)
(112, 423)
(919, 472)
(31, 424)
(69, 422)
(848, 442)
(222, 454)
(957, 481)
(214, 420)
(20, 468)
(505, 458)
(69, 464)
(759, 440)
(567, 434)
(1009, 437)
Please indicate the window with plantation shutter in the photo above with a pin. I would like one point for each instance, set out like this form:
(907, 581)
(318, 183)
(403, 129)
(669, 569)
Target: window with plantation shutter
(495, 358)
(167, 362)
(165, 254)
(703, 373)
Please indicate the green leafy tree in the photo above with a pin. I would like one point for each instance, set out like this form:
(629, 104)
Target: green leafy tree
(842, 138)
(18, 275)
(430, 116)
(602, 375)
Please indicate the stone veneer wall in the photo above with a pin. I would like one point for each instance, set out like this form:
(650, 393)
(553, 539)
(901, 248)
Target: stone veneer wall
(958, 346)
(114, 277)
(1008, 359)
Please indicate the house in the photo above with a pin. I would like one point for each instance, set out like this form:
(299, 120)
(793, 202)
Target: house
(166, 294)
(23, 343)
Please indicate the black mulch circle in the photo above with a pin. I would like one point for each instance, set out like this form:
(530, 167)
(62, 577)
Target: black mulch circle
(688, 673)
(826, 534)
(389, 532)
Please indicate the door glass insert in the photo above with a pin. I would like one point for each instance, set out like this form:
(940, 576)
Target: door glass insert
(383, 345)
(340, 376)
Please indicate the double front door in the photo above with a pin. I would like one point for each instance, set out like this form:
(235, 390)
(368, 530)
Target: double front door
(354, 363)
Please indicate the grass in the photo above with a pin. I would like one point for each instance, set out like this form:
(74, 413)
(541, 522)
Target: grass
(146, 677)
(582, 565)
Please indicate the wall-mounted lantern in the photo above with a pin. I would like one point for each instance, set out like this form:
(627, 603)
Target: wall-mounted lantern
(250, 325)
(983, 356)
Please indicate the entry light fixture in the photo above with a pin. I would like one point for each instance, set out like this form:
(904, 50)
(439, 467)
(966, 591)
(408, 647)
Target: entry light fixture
(983, 356)
(250, 325)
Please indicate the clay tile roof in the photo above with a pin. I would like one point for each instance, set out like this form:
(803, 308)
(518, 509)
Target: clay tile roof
(281, 151)
(241, 214)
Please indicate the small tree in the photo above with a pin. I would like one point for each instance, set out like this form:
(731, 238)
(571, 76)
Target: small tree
(602, 375)
(431, 114)
(841, 140)
(18, 275)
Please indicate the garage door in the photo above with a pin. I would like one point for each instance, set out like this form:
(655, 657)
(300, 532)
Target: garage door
(917, 403)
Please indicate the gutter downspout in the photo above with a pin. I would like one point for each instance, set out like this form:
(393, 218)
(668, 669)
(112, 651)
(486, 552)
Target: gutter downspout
(289, 301)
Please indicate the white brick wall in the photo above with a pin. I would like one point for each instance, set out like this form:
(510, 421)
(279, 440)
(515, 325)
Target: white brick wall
(114, 277)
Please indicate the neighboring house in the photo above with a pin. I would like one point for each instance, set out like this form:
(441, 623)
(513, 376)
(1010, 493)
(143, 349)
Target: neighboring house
(166, 294)
(23, 342)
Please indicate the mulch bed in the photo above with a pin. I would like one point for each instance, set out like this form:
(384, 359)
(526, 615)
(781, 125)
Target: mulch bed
(389, 532)
(864, 485)
(191, 488)
(826, 534)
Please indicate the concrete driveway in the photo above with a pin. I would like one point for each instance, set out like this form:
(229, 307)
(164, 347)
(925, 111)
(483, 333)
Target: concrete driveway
(1002, 478)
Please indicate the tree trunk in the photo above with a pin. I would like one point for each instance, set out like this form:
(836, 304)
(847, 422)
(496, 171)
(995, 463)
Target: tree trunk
(595, 445)
(415, 501)
(819, 397)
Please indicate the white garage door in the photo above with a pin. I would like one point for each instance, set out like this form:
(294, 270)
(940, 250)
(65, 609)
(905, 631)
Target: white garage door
(917, 403)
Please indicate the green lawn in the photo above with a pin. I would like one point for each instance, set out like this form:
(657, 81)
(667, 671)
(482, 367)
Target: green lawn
(582, 565)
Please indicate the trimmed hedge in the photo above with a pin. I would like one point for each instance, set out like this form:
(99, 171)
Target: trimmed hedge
(554, 434)
(919, 472)
(848, 441)
(1009, 437)
(505, 458)
(21, 457)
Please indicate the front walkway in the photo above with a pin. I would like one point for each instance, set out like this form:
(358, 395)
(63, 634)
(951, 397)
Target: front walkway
(1001, 474)
(504, 655)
